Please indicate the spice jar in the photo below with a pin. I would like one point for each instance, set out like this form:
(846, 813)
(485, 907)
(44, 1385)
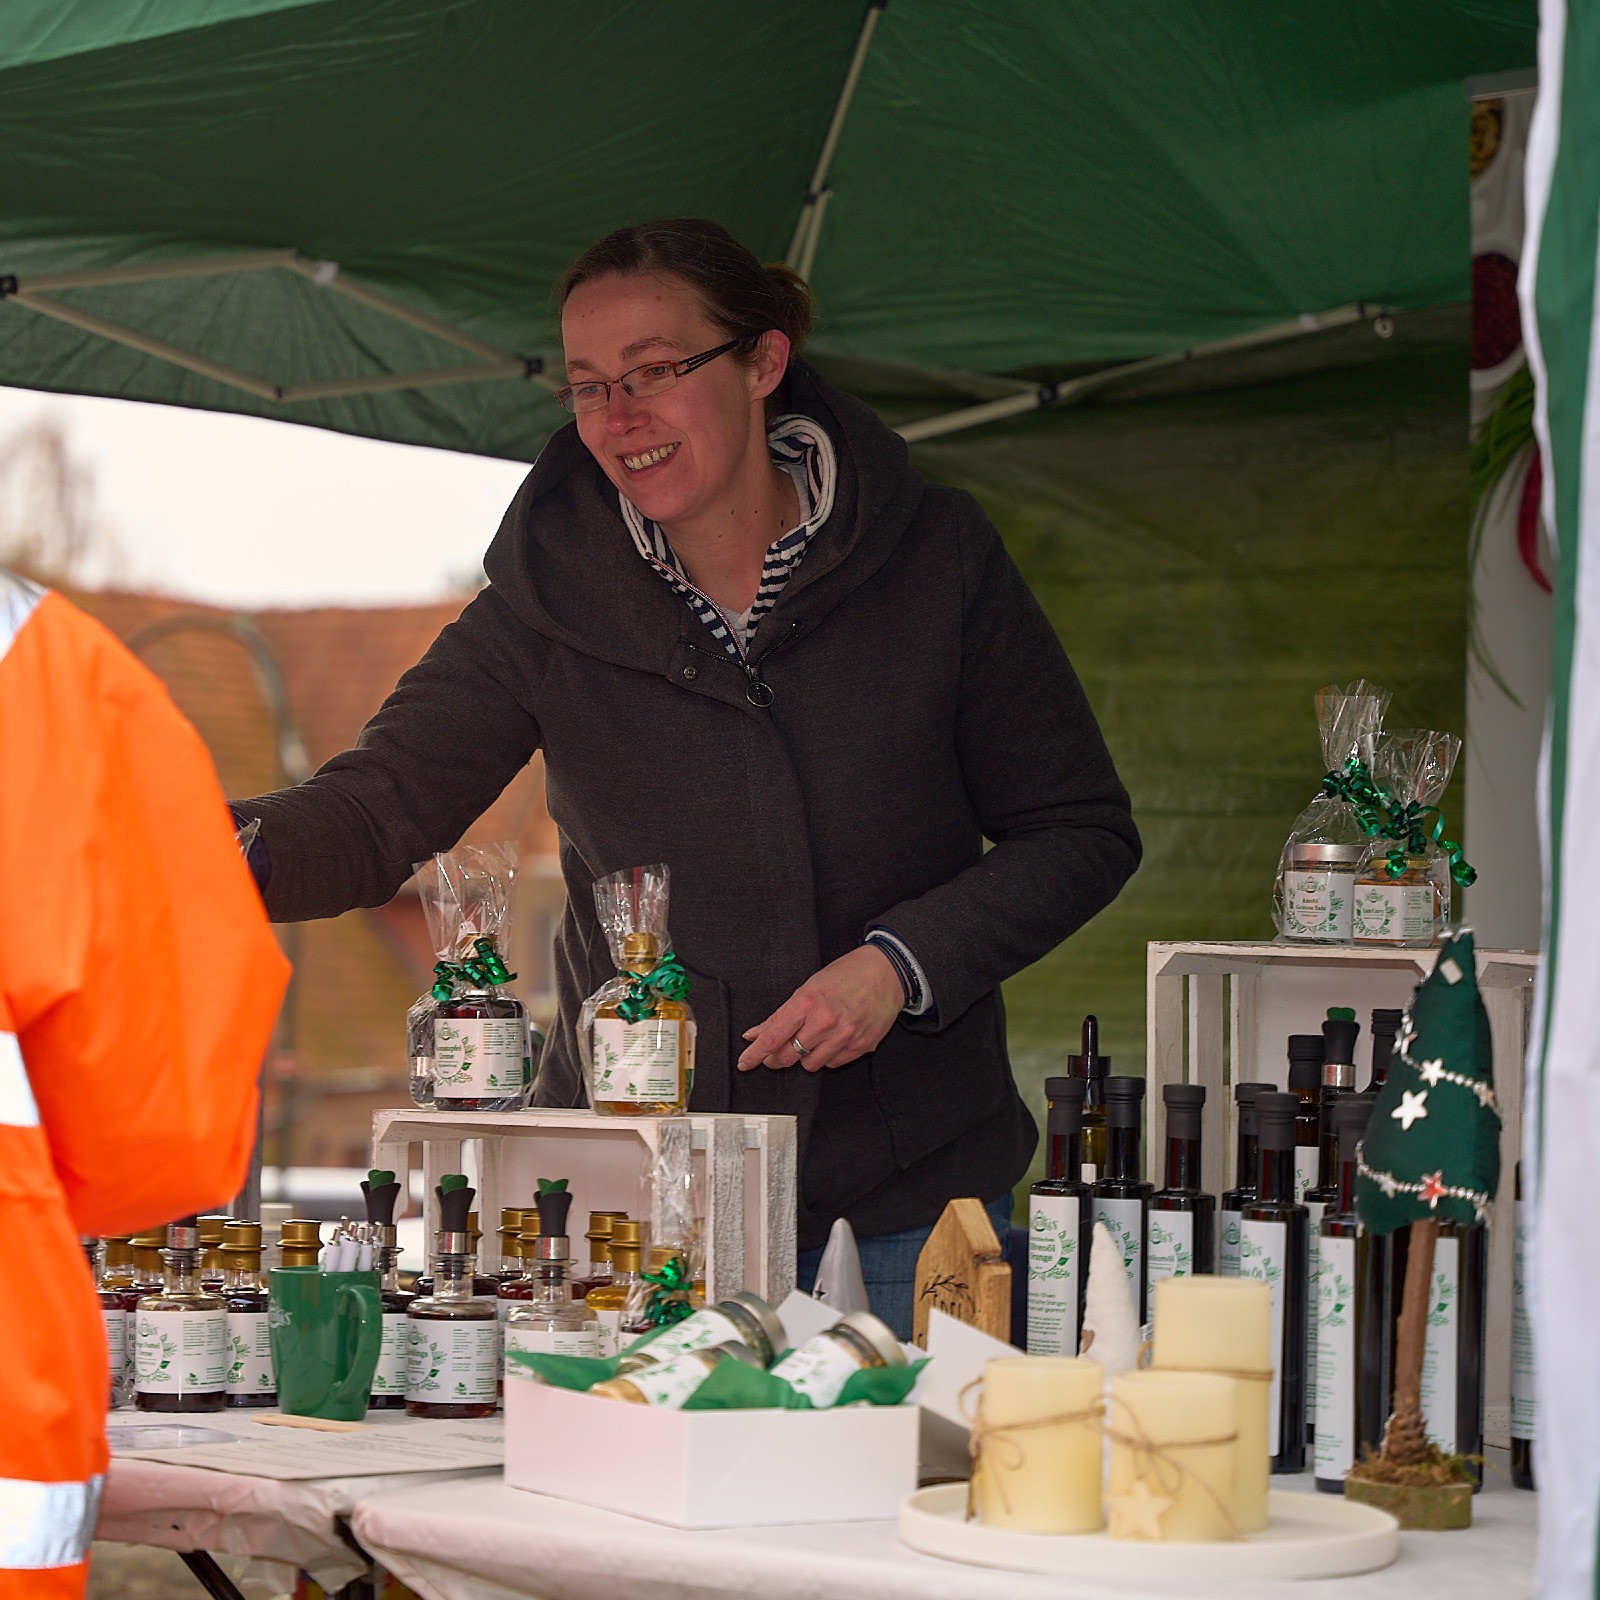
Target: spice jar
(820, 1368)
(1413, 908)
(670, 1383)
(742, 1318)
(1319, 891)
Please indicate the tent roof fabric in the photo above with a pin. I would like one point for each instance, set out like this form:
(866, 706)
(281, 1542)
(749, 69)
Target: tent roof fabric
(1039, 183)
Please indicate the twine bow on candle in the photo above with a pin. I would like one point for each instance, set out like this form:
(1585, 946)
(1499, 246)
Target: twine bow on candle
(1166, 1470)
(993, 1435)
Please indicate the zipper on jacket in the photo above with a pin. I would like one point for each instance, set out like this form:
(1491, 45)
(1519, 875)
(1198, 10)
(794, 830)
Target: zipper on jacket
(757, 690)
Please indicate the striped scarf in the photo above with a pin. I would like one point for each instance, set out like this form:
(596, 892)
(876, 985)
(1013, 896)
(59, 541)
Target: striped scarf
(802, 450)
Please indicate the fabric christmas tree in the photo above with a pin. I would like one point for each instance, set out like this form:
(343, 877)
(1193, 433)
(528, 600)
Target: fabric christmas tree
(1431, 1153)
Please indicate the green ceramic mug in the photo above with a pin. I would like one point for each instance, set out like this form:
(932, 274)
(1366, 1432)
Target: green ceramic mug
(325, 1328)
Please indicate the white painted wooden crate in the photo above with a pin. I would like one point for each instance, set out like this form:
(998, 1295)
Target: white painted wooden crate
(1221, 1014)
(744, 1175)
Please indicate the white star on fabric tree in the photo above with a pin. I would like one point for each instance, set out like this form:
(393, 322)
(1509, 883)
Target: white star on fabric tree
(1413, 1105)
(1431, 1072)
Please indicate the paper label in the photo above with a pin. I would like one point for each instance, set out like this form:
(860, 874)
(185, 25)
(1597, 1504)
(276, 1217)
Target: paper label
(1316, 905)
(1314, 1208)
(1335, 1418)
(583, 1341)
(1125, 1219)
(1263, 1254)
(819, 1369)
(1228, 1244)
(181, 1352)
(249, 1354)
(1439, 1352)
(1054, 1274)
(1171, 1246)
(452, 1362)
(1524, 1410)
(1389, 911)
(610, 1321)
(670, 1383)
(389, 1376)
(478, 1057)
(1306, 1160)
(637, 1061)
(703, 1328)
(116, 1342)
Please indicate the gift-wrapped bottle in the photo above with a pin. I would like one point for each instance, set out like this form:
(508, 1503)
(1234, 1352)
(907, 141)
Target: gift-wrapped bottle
(480, 1032)
(636, 1031)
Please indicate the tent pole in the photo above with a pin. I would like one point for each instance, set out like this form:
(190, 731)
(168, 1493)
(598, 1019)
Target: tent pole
(803, 247)
(1047, 394)
(156, 271)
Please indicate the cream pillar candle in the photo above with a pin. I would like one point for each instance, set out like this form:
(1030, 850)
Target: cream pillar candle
(1172, 1456)
(1039, 1479)
(1211, 1324)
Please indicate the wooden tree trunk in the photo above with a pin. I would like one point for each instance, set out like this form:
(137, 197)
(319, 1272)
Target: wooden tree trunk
(1405, 1440)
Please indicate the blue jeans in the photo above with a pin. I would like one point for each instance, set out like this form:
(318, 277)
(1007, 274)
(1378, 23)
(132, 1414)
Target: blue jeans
(889, 1266)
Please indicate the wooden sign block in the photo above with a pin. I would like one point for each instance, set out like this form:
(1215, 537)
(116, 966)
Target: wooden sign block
(963, 1272)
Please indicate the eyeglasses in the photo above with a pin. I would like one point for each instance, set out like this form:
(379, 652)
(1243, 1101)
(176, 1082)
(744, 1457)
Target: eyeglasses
(654, 377)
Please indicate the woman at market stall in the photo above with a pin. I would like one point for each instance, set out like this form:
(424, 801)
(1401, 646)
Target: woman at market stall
(752, 642)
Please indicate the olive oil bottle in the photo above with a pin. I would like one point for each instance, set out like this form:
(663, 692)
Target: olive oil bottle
(1121, 1196)
(1094, 1069)
(1183, 1217)
(1247, 1160)
(1060, 1217)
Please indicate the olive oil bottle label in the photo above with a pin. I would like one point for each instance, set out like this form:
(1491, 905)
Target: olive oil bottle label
(819, 1369)
(249, 1354)
(638, 1061)
(1314, 1208)
(1228, 1244)
(1125, 1219)
(1440, 1350)
(1335, 1419)
(478, 1057)
(117, 1342)
(1316, 905)
(1306, 1158)
(181, 1352)
(389, 1376)
(1263, 1254)
(1390, 911)
(1523, 1410)
(554, 1341)
(1171, 1244)
(1055, 1272)
(451, 1363)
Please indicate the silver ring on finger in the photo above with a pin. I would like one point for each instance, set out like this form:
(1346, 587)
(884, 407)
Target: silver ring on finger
(801, 1050)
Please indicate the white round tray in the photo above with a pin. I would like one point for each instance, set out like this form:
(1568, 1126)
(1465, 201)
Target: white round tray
(1307, 1536)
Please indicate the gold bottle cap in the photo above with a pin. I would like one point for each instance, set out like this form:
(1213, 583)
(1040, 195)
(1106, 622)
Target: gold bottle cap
(473, 1228)
(531, 1228)
(301, 1231)
(150, 1239)
(640, 949)
(242, 1236)
(119, 1251)
(511, 1219)
(300, 1255)
(625, 1256)
(211, 1229)
(660, 1255)
(627, 1230)
(600, 1224)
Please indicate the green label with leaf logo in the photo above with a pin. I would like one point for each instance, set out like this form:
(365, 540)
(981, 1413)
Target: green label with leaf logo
(1054, 1274)
(478, 1057)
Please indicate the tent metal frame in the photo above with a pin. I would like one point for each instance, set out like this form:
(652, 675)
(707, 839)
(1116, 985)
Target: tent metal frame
(493, 364)
(1035, 397)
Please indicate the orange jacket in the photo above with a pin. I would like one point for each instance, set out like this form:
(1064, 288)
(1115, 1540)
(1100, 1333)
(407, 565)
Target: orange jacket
(139, 981)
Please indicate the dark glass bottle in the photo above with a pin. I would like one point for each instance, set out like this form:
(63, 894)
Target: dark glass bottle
(1452, 1362)
(1355, 1336)
(1060, 1218)
(1121, 1196)
(480, 1052)
(212, 1266)
(251, 1382)
(1183, 1217)
(181, 1334)
(1094, 1069)
(453, 1343)
(1385, 1025)
(1305, 1084)
(1273, 1248)
(1523, 1402)
(1323, 1193)
(389, 1376)
(1243, 1192)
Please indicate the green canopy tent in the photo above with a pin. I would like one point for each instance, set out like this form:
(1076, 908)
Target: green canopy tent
(349, 213)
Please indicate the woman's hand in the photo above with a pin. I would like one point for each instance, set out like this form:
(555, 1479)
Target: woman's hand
(838, 1014)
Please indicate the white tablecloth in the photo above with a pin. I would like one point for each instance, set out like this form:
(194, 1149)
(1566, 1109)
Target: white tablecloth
(484, 1541)
(192, 1508)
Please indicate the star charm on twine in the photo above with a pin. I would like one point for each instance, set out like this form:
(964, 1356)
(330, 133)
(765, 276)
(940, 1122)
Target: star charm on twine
(1136, 1514)
(1413, 1105)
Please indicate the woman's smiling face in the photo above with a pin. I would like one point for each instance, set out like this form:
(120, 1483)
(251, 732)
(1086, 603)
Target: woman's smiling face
(676, 455)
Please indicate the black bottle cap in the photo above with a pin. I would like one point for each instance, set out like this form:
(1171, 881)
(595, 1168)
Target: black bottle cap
(1064, 1089)
(455, 1204)
(1275, 1120)
(1090, 1064)
(1385, 1025)
(381, 1191)
(553, 1204)
(1245, 1095)
(1183, 1102)
(1351, 1114)
(1124, 1097)
(1339, 1036)
(1305, 1060)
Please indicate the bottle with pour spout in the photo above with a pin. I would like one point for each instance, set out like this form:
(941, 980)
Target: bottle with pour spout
(1094, 1069)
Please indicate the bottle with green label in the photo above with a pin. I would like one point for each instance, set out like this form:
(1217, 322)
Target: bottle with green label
(1273, 1248)
(1355, 1318)
(181, 1334)
(1121, 1196)
(1183, 1217)
(452, 1335)
(1452, 1357)
(1524, 1402)
(1093, 1068)
(1060, 1217)
(550, 1321)
(1305, 1084)
(381, 1191)
(251, 1381)
(1243, 1192)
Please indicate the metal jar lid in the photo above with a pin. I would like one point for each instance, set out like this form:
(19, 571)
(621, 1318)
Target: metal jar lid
(764, 1317)
(1324, 855)
(876, 1333)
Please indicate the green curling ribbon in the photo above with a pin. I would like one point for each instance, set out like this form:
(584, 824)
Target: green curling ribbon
(666, 981)
(484, 971)
(669, 1295)
(1380, 815)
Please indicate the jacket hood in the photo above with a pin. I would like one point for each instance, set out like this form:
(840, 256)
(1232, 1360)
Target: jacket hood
(565, 564)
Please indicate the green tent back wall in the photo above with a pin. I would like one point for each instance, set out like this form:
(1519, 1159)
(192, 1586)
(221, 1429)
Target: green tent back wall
(1034, 186)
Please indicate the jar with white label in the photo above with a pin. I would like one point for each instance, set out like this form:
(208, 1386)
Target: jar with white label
(670, 1383)
(743, 1317)
(1408, 908)
(480, 1052)
(1318, 892)
(822, 1366)
(181, 1334)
